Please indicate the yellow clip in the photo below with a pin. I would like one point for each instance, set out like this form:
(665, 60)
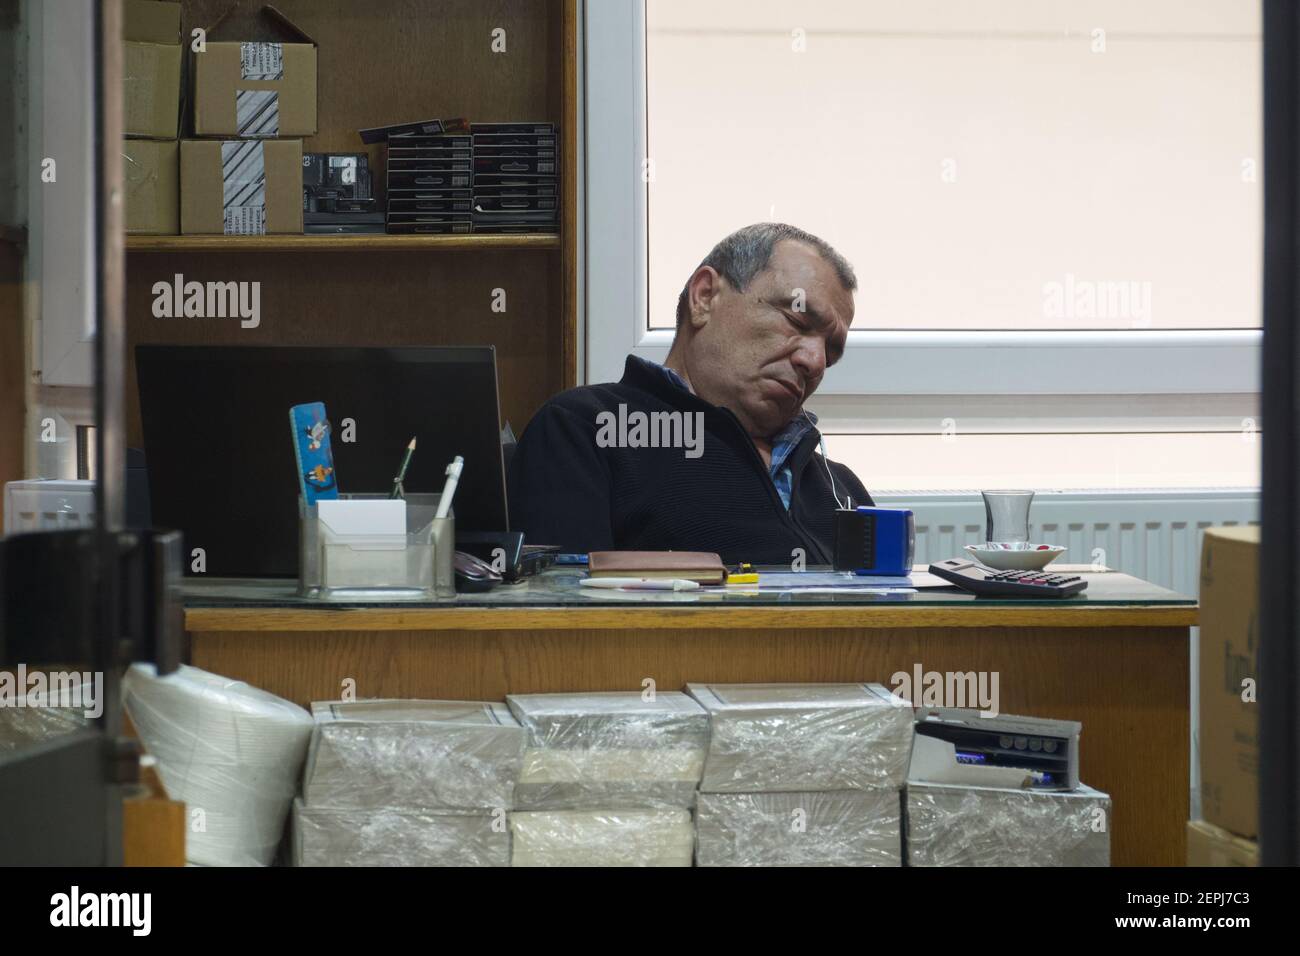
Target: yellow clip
(745, 574)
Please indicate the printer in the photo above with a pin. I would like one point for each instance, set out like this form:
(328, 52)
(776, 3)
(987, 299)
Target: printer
(963, 746)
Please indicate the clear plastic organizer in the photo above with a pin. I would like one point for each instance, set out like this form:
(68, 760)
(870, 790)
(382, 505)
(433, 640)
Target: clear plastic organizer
(364, 548)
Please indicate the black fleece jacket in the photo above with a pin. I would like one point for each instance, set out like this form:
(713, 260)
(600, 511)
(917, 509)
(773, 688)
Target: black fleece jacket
(565, 489)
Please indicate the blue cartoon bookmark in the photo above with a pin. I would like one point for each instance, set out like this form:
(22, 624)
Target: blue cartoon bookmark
(311, 448)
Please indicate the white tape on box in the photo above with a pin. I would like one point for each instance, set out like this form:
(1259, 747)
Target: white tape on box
(257, 113)
(261, 61)
(243, 188)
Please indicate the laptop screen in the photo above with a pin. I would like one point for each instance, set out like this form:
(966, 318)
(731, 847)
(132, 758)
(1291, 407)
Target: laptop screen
(220, 454)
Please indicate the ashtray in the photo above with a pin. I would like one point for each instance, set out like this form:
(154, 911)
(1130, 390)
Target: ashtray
(1015, 557)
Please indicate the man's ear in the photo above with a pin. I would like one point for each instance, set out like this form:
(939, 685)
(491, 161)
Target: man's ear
(701, 293)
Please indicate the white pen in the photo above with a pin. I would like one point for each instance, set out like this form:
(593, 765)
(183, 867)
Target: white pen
(449, 489)
(641, 584)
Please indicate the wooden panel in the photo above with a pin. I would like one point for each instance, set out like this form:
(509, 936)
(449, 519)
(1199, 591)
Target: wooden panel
(13, 363)
(153, 832)
(1129, 686)
(411, 299)
(320, 619)
(153, 826)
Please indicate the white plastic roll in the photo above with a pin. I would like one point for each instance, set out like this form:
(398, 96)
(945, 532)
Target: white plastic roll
(231, 752)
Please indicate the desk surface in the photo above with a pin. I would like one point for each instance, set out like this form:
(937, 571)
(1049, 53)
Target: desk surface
(554, 600)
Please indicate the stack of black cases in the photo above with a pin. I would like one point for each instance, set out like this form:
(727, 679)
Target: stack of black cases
(516, 178)
(430, 180)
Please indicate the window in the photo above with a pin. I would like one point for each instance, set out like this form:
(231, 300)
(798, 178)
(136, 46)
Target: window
(1057, 202)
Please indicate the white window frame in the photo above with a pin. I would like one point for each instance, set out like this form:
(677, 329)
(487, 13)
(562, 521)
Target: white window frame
(60, 216)
(1219, 366)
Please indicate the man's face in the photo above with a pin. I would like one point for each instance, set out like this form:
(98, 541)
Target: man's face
(758, 352)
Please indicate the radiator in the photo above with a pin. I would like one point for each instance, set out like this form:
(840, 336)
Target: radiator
(1150, 533)
(1153, 534)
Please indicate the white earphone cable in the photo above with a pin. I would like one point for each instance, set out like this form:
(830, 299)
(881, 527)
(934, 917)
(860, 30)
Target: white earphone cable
(847, 505)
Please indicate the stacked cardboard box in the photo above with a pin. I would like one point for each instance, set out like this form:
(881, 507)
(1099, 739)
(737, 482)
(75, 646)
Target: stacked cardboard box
(608, 779)
(151, 71)
(802, 775)
(408, 783)
(252, 100)
(1208, 845)
(1229, 719)
(952, 824)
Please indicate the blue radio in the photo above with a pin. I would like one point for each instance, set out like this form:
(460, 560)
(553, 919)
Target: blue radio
(875, 540)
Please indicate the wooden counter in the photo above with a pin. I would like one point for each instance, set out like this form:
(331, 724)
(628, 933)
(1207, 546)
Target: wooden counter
(1120, 668)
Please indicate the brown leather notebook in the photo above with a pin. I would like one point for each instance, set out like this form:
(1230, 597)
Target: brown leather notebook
(702, 566)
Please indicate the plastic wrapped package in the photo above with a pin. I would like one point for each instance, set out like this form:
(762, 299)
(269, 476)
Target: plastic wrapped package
(231, 752)
(39, 716)
(956, 825)
(800, 737)
(609, 779)
(610, 750)
(816, 828)
(602, 838)
(323, 836)
(432, 754)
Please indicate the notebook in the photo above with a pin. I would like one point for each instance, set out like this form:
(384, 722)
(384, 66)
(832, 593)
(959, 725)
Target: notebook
(702, 566)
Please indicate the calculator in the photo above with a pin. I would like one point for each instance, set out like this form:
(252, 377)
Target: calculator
(983, 581)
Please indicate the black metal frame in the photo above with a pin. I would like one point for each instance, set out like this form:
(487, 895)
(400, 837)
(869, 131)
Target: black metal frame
(110, 373)
(1279, 584)
(101, 598)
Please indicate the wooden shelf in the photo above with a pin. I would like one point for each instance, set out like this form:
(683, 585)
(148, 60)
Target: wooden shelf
(406, 291)
(335, 243)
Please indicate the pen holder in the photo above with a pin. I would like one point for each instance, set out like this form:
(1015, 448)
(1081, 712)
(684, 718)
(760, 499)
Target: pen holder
(372, 547)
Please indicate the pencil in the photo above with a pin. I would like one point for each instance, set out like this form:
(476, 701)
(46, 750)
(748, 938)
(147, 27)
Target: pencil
(398, 491)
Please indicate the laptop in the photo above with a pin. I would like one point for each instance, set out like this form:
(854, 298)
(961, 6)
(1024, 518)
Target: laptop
(219, 451)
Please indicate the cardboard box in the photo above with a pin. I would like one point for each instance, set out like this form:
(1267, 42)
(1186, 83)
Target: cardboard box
(256, 89)
(1208, 845)
(948, 824)
(832, 828)
(151, 82)
(766, 738)
(241, 187)
(153, 825)
(602, 838)
(152, 172)
(151, 21)
(1229, 730)
(434, 754)
(610, 750)
(397, 836)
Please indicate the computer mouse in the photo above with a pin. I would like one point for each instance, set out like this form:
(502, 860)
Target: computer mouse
(472, 574)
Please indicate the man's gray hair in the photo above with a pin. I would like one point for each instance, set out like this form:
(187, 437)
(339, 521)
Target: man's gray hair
(746, 252)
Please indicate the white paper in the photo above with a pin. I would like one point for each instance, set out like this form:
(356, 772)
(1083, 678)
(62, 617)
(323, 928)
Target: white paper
(366, 517)
(261, 61)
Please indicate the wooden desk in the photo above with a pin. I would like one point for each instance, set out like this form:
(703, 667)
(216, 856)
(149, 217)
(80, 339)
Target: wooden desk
(1117, 660)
